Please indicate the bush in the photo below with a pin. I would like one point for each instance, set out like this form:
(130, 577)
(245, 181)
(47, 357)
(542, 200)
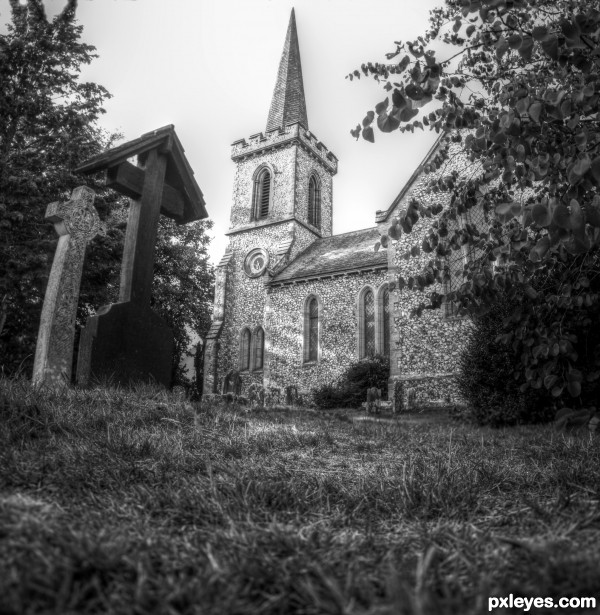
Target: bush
(486, 380)
(351, 389)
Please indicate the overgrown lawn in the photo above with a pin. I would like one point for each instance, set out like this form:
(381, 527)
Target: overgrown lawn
(130, 501)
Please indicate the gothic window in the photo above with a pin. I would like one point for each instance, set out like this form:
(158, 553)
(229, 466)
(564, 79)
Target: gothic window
(384, 321)
(311, 330)
(262, 194)
(259, 349)
(314, 202)
(245, 350)
(369, 324)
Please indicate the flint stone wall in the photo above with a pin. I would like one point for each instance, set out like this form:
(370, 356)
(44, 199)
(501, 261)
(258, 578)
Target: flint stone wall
(291, 168)
(425, 350)
(338, 334)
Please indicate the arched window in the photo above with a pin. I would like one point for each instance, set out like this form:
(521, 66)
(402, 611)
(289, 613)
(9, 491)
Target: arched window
(384, 321)
(262, 194)
(259, 349)
(314, 202)
(311, 330)
(245, 350)
(368, 324)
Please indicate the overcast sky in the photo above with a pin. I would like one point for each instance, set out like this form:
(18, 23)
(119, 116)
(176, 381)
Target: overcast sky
(209, 68)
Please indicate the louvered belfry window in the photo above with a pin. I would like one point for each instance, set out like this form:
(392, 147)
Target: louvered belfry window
(369, 323)
(313, 330)
(314, 202)
(259, 348)
(385, 324)
(262, 194)
(245, 350)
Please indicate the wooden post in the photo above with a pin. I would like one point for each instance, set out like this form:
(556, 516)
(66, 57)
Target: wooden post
(137, 270)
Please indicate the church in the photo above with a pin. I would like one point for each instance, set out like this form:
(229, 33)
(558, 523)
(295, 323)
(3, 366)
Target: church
(296, 304)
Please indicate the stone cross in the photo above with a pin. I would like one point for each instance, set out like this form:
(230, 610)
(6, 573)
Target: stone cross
(76, 222)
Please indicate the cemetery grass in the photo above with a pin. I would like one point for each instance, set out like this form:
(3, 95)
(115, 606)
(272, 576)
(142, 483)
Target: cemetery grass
(130, 501)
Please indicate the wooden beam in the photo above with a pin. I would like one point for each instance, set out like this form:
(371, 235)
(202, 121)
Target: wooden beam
(129, 180)
(137, 270)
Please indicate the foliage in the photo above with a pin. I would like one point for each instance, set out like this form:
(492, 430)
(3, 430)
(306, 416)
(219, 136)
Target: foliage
(48, 125)
(182, 291)
(132, 501)
(486, 379)
(351, 389)
(526, 89)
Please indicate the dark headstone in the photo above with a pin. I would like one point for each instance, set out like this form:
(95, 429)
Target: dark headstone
(123, 343)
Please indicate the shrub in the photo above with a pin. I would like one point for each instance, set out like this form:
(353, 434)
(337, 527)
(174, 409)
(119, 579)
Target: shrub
(486, 380)
(351, 389)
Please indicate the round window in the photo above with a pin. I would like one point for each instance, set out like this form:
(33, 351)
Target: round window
(256, 262)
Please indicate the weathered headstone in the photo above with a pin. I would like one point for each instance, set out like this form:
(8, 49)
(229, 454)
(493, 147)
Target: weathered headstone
(126, 341)
(76, 222)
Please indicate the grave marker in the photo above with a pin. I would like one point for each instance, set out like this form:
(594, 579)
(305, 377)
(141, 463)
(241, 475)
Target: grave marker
(76, 222)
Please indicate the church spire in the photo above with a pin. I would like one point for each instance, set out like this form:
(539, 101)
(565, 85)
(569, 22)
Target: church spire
(288, 105)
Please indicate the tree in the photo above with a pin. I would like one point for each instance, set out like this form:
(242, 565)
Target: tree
(523, 83)
(485, 377)
(182, 292)
(47, 126)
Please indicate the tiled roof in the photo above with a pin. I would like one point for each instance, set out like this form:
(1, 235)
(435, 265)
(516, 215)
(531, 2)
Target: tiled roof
(347, 252)
(288, 105)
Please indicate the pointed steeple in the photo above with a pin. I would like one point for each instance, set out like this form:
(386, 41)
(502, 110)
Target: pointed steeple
(289, 105)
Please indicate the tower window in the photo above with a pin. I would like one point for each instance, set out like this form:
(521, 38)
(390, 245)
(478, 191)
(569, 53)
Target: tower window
(262, 194)
(314, 202)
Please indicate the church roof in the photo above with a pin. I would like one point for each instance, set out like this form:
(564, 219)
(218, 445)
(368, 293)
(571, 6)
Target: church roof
(337, 254)
(288, 105)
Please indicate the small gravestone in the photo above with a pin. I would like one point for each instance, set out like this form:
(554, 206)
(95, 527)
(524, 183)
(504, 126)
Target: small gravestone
(76, 222)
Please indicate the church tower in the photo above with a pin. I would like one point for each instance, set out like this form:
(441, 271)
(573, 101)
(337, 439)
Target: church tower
(282, 203)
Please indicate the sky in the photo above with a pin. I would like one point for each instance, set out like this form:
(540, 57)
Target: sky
(209, 67)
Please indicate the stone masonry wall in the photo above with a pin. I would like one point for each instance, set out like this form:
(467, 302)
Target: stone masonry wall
(246, 297)
(306, 164)
(286, 154)
(283, 163)
(425, 350)
(338, 329)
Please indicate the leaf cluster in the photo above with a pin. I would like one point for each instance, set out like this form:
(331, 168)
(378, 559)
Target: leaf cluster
(519, 92)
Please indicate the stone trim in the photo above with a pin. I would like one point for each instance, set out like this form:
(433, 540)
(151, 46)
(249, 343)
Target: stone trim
(260, 144)
(329, 274)
(266, 222)
(379, 316)
(383, 215)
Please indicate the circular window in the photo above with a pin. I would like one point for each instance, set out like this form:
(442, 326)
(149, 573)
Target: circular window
(256, 262)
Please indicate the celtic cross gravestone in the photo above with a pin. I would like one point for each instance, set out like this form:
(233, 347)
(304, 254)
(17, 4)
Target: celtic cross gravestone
(76, 222)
